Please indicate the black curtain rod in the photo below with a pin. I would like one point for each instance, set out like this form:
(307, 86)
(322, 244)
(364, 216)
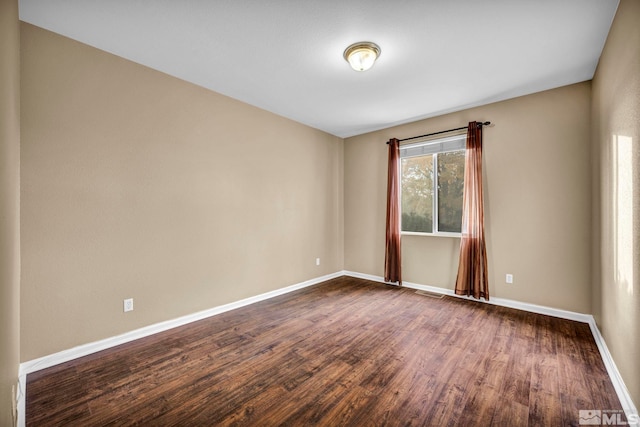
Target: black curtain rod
(442, 131)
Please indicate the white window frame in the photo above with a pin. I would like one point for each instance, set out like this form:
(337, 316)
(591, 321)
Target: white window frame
(423, 148)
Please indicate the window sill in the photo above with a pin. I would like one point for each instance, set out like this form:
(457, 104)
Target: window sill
(413, 233)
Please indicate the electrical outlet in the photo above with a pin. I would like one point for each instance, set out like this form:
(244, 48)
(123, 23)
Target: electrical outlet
(317, 261)
(509, 278)
(128, 304)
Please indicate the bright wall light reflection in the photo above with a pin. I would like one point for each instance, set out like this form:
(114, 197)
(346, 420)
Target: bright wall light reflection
(623, 211)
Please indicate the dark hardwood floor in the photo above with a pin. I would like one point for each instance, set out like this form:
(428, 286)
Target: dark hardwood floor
(345, 352)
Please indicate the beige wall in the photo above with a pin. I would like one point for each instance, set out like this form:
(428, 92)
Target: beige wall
(537, 207)
(136, 184)
(616, 138)
(9, 206)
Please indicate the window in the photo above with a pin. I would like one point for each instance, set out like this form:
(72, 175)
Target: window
(425, 166)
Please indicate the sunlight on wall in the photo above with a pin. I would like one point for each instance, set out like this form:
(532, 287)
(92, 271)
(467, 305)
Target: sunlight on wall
(623, 211)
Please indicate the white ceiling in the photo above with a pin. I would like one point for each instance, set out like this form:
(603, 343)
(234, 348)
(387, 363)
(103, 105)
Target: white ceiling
(285, 56)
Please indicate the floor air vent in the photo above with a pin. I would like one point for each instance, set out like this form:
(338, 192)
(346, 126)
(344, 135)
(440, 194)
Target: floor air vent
(429, 294)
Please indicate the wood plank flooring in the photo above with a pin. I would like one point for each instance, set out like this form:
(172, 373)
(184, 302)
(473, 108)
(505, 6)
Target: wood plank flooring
(347, 352)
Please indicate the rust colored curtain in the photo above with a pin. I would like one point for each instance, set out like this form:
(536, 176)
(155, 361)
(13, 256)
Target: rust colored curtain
(472, 270)
(392, 257)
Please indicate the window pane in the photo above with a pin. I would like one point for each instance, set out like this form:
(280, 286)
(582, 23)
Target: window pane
(450, 185)
(417, 194)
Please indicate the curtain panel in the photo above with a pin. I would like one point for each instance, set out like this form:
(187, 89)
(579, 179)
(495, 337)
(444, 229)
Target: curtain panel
(392, 258)
(472, 278)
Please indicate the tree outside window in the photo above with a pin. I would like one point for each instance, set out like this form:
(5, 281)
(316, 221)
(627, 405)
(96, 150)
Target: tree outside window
(426, 211)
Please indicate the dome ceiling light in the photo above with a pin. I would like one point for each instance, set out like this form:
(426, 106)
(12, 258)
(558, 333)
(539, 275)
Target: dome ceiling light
(362, 55)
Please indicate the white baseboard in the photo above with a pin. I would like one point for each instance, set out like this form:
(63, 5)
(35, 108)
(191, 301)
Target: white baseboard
(533, 308)
(21, 404)
(618, 383)
(86, 349)
(621, 389)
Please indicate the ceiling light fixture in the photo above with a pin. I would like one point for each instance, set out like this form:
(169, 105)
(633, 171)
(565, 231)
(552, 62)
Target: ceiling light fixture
(362, 55)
